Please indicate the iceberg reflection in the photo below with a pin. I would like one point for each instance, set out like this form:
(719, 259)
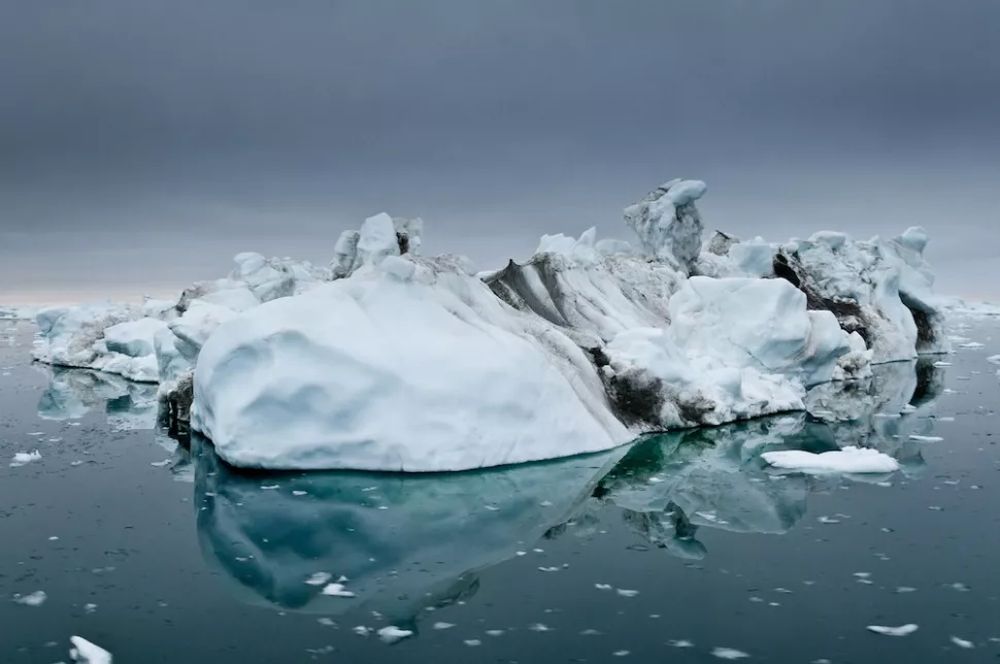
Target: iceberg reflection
(404, 542)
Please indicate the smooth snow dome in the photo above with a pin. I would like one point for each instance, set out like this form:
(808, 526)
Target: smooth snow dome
(847, 460)
(375, 372)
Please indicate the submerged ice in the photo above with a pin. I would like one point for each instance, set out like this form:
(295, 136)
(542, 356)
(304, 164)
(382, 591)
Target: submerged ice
(389, 360)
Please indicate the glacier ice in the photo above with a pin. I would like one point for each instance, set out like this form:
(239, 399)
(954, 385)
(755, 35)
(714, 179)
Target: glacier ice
(388, 360)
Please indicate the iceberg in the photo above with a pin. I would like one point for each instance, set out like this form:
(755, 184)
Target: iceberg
(390, 360)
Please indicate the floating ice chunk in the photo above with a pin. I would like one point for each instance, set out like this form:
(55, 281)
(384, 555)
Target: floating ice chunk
(392, 634)
(847, 460)
(680, 643)
(627, 593)
(472, 643)
(85, 652)
(728, 653)
(993, 359)
(971, 344)
(902, 630)
(925, 439)
(36, 598)
(962, 643)
(337, 590)
(319, 579)
(443, 625)
(22, 458)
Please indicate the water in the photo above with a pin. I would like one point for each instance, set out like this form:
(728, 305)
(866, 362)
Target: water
(675, 549)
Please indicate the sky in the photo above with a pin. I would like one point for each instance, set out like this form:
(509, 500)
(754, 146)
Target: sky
(142, 144)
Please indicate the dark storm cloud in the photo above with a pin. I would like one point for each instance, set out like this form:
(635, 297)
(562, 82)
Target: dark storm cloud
(156, 139)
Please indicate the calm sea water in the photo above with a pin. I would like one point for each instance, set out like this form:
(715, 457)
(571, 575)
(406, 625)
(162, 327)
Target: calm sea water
(681, 548)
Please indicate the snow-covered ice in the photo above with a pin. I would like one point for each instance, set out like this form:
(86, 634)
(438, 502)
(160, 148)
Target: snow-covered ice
(845, 460)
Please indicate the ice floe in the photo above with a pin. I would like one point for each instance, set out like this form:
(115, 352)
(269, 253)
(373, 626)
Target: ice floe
(846, 460)
(85, 652)
(902, 630)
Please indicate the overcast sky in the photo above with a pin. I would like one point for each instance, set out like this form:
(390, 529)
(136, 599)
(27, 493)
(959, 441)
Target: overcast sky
(142, 144)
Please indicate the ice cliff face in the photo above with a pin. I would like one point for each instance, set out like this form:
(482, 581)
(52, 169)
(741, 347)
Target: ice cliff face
(392, 361)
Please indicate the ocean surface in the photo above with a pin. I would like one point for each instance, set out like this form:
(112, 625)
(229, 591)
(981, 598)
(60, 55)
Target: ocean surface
(680, 548)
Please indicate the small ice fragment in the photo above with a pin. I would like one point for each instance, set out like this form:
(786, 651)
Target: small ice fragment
(939, 363)
(472, 643)
(549, 569)
(443, 625)
(391, 634)
(269, 487)
(22, 458)
(960, 587)
(728, 653)
(36, 598)
(160, 464)
(993, 359)
(926, 439)
(54, 538)
(540, 627)
(906, 589)
(902, 630)
(495, 632)
(680, 643)
(603, 586)
(361, 630)
(319, 578)
(828, 519)
(327, 622)
(908, 408)
(962, 643)
(85, 652)
(337, 590)
(627, 593)
(299, 493)
(89, 607)
(971, 344)
(620, 653)
(849, 459)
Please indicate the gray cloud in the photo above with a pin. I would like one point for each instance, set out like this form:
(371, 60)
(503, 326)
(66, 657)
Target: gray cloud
(143, 143)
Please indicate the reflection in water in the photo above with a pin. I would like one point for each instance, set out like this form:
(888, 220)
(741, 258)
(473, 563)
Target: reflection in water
(73, 393)
(406, 542)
